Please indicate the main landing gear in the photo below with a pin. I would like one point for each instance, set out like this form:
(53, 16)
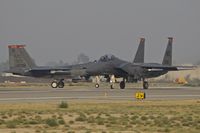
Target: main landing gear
(145, 84)
(58, 84)
(122, 84)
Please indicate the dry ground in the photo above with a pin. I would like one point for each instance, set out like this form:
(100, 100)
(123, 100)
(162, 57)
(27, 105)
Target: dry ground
(91, 116)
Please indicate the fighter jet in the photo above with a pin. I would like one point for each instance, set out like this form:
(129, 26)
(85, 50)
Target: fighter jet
(111, 65)
(21, 63)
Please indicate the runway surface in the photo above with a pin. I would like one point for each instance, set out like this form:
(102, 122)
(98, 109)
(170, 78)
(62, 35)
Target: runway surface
(84, 93)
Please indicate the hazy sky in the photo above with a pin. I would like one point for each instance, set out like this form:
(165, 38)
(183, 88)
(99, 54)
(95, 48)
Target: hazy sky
(56, 30)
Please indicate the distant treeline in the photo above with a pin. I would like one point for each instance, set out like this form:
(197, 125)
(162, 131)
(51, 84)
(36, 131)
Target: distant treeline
(4, 66)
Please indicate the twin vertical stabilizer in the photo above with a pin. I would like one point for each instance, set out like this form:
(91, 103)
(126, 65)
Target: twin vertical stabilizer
(139, 56)
(167, 60)
(19, 58)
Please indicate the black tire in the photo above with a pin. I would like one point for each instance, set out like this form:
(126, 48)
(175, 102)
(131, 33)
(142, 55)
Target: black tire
(61, 84)
(54, 84)
(96, 85)
(145, 85)
(122, 85)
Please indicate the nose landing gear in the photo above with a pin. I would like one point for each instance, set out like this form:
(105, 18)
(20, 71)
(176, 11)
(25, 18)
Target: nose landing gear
(96, 85)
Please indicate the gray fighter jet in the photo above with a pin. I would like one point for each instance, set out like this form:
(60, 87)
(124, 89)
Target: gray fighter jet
(22, 64)
(111, 65)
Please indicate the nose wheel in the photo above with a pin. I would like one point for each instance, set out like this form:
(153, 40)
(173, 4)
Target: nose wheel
(96, 85)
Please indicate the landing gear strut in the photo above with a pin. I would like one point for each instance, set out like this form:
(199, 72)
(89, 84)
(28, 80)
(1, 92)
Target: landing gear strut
(58, 84)
(145, 84)
(97, 80)
(112, 81)
(112, 86)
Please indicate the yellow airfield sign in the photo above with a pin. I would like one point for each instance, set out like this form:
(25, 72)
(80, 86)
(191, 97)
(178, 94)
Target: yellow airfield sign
(140, 95)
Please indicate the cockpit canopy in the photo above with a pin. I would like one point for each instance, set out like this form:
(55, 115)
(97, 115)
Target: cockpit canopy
(106, 58)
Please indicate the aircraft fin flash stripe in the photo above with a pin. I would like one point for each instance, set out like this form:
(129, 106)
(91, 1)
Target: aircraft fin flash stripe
(16, 46)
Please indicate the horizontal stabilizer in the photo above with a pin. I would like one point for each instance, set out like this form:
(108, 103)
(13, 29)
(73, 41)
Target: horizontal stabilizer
(152, 67)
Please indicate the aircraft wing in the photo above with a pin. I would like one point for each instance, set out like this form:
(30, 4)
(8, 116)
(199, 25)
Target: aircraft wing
(59, 71)
(51, 70)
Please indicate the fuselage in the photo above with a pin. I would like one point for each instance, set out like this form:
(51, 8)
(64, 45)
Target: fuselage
(121, 68)
(105, 66)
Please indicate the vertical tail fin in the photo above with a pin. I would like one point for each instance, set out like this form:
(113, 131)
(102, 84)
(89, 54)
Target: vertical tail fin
(19, 58)
(139, 56)
(167, 60)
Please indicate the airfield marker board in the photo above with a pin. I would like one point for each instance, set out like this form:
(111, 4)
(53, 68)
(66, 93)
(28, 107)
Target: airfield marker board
(140, 95)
